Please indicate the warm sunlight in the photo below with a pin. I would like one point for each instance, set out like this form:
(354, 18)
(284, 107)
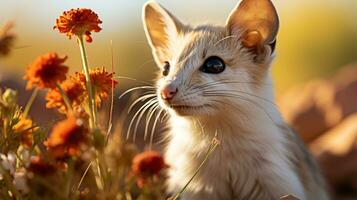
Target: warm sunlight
(178, 100)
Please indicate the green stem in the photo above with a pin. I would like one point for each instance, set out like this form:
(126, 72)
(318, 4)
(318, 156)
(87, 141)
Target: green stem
(65, 98)
(211, 149)
(30, 102)
(91, 100)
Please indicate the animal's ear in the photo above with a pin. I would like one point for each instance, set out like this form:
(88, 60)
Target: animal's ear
(256, 22)
(161, 28)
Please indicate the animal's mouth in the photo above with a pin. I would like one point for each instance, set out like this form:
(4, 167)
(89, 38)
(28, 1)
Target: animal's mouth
(185, 109)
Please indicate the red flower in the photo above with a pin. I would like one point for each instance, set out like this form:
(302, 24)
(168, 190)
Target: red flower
(46, 71)
(102, 82)
(80, 21)
(147, 165)
(66, 138)
(75, 92)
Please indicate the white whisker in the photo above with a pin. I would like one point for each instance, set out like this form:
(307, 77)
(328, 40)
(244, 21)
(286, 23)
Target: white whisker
(140, 99)
(135, 88)
(135, 115)
(149, 119)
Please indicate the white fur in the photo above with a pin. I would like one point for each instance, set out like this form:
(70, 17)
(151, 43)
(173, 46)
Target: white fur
(253, 160)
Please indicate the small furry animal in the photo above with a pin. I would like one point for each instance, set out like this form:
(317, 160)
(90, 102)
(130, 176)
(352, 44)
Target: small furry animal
(216, 80)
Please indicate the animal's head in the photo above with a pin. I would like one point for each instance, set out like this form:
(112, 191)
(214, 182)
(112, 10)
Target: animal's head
(206, 68)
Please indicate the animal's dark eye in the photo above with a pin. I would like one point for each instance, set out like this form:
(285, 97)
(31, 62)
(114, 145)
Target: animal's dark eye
(166, 69)
(213, 65)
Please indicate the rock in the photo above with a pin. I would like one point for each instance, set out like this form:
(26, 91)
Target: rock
(302, 111)
(336, 151)
(319, 105)
(345, 97)
(289, 197)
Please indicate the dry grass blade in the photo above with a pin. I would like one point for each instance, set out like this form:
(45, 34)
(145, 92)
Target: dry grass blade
(110, 122)
(214, 144)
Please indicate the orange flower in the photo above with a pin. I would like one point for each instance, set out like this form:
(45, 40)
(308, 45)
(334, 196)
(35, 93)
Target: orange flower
(80, 21)
(102, 82)
(74, 90)
(46, 71)
(147, 165)
(66, 138)
(25, 128)
(6, 39)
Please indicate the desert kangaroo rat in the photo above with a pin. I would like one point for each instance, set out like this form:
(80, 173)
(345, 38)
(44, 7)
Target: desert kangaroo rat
(216, 80)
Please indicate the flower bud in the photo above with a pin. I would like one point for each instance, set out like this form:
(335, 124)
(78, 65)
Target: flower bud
(10, 97)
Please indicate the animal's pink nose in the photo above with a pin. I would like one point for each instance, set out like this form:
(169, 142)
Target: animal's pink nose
(168, 92)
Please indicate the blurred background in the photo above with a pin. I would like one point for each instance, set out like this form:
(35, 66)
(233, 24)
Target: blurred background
(315, 72)
(316, 37)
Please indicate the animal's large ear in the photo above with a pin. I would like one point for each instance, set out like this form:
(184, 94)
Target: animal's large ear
(259, 22)
(161, 28)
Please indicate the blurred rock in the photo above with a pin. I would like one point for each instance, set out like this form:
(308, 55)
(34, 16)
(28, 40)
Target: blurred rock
(345, 97)
(336, 152)
(301, 110)
(319, 105)
(289, 197)
(338, 141)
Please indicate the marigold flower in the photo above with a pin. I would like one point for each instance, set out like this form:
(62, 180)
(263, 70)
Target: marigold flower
(25, 128)
(46, 71)
(146, 165)
(67, 137)
(80, 21)
(6, 39)
(102, 82)
(74, 90)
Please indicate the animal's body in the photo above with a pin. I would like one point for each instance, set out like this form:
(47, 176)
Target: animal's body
(216, 80)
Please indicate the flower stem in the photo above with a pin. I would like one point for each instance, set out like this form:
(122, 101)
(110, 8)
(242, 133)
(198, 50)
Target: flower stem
(97, 174)
(65, 98)
(91, 100)
(30, 102)
(211, 149)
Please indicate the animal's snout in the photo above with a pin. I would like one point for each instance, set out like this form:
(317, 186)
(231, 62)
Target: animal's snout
(168, 92)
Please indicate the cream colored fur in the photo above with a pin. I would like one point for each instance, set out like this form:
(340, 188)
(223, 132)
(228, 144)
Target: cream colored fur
(259, 157)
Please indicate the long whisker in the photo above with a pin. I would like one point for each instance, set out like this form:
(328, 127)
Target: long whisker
(244, 99)
(233, 92)
(149, 119)
(149, 106)
(143, 98)
(224, 81)
(232, 105)
(154, 127)
(136, 88)
(164, 116)
(135, 115)
(131, 79)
